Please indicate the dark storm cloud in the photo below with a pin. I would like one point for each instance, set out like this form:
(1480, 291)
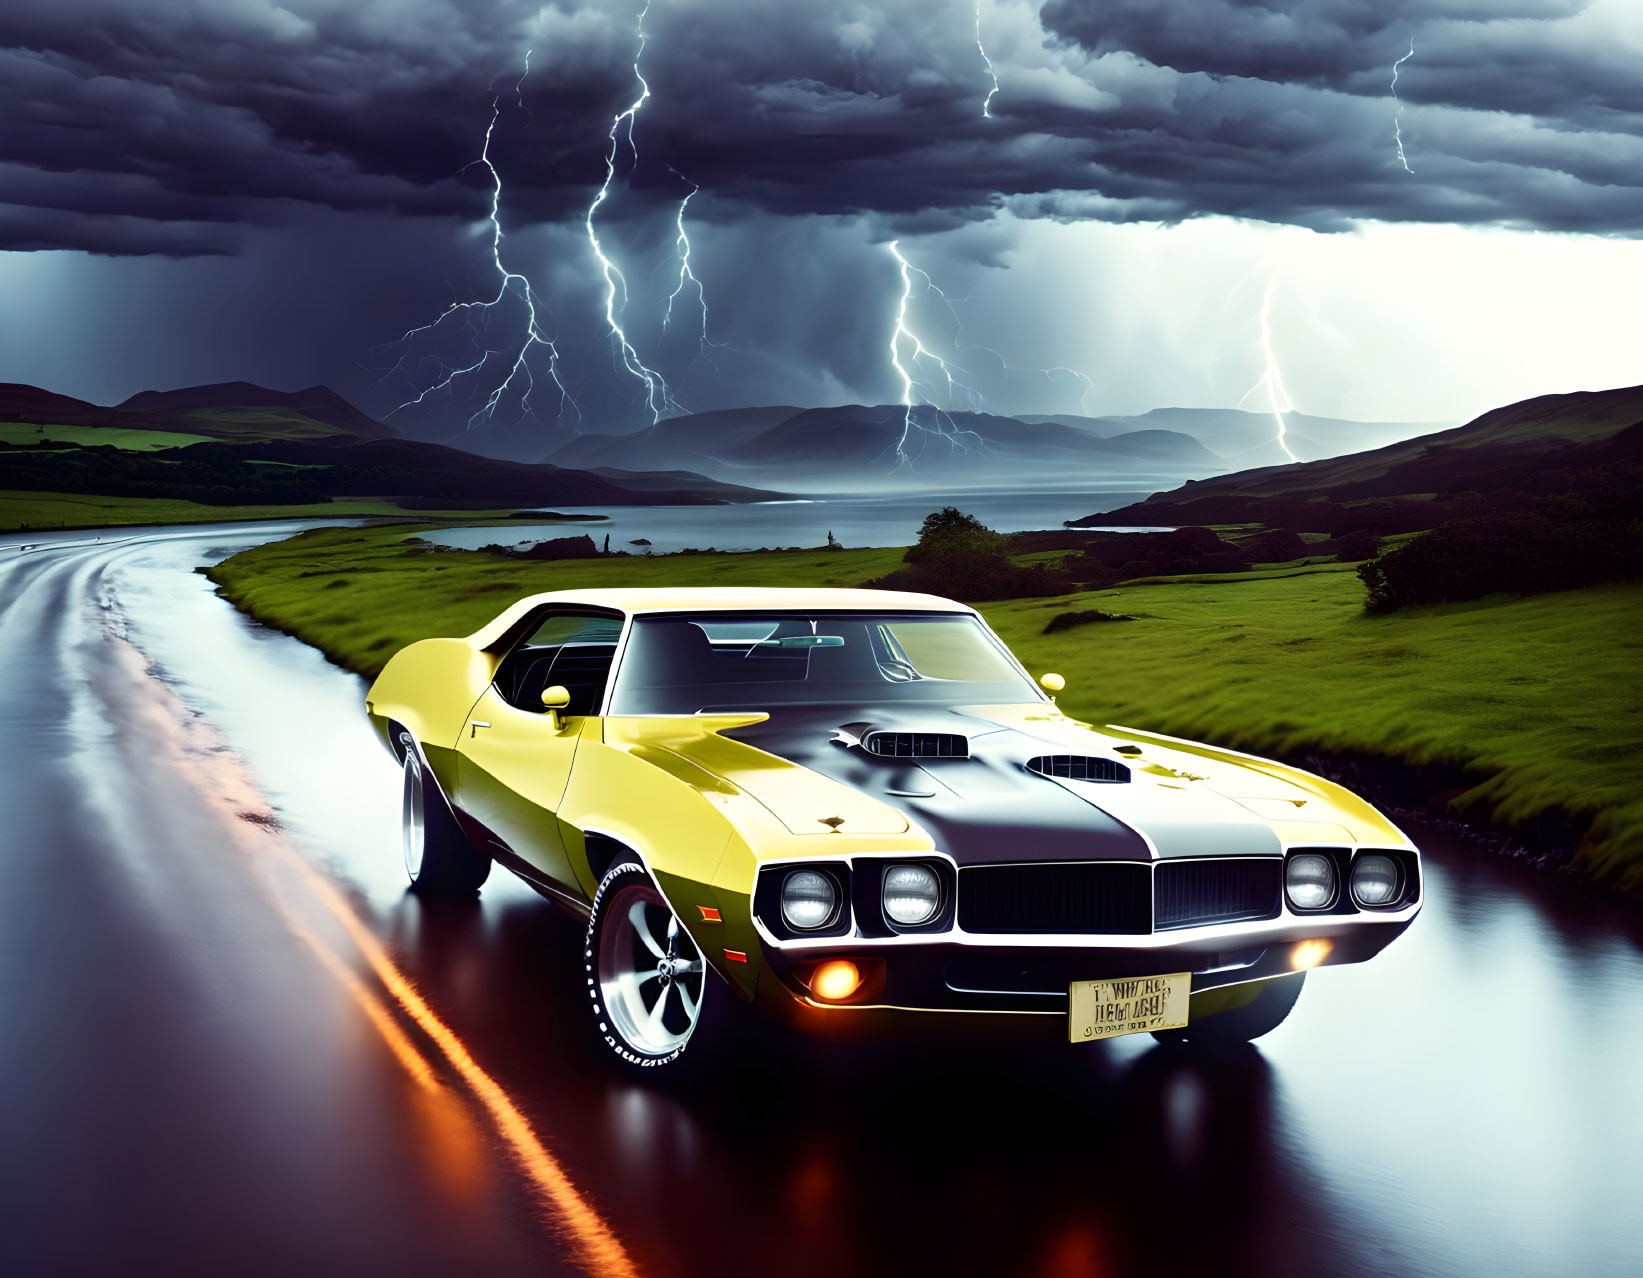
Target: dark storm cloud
(148, 125)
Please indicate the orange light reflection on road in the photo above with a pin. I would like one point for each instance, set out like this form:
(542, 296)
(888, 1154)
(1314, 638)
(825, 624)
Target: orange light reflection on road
(601, 1251)
(401, 1046)
(219, 776)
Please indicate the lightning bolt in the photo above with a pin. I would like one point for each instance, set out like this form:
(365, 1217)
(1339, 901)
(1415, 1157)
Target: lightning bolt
(686, 275)
(902, 335)
(986, 102)
(508, 282)
(1397, 117)
(657, 396)
(1272, 376)
(974, 399)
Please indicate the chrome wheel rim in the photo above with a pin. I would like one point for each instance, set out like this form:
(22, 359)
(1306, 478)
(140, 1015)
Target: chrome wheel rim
(650, 972)
(412, 821)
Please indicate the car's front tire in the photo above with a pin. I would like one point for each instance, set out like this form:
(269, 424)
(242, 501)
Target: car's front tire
(1261, 1015)
(649, 985)
(438, 856)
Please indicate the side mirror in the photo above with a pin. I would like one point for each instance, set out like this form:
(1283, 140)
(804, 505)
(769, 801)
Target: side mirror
(555, 697)
(1052, 682)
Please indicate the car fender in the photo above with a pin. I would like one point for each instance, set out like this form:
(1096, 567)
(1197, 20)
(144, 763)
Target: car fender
(429, 687)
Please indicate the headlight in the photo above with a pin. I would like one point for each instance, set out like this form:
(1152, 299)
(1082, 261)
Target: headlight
(1309, 881)
(808, 900)
(912, 894)
(1374, 879)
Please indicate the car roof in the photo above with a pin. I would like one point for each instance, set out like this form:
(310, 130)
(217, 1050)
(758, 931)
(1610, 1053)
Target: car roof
(643, 599)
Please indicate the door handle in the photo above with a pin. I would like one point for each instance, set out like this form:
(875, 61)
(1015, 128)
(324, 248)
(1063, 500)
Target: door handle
(475, 725)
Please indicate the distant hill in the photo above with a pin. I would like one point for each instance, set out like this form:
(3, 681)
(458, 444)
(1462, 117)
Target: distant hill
(267, 447)
(680, 443)
(226, 410)
(855, 445)
(1242, 438)
(23, 403)
(241, 408)
(1533, 446)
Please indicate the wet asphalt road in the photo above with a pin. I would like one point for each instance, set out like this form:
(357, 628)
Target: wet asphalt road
(230, 1043)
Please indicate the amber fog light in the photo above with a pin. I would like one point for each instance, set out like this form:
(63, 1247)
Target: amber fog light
(835, 979)
(1309, 954)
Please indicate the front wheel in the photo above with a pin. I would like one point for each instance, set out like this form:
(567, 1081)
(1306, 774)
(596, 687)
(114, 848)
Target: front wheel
(1264, 1013)
(438, 856)
(647, 979)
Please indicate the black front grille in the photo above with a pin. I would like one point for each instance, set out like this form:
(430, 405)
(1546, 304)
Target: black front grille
(1113, 897)
(917, 745)
(1078, 767)
(1193, 893)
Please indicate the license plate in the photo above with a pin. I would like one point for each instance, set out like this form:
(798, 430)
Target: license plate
(1133, 1005)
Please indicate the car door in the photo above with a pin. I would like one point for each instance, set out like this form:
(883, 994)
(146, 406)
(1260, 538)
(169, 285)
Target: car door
(514, 757)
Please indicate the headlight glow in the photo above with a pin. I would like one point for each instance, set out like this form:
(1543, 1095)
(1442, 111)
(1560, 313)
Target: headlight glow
(1309, 881)
(912, 894)
(808, 900)
(1374, 879)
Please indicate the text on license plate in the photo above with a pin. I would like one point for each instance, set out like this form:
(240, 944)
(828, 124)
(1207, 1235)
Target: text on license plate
(1131, 1005)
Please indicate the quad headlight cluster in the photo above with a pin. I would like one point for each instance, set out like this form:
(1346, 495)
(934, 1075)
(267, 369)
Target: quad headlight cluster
(1312, 882)
(816, 901)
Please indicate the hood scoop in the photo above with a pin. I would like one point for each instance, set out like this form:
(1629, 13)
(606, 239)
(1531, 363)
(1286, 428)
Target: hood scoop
(916, 745)
(1078, 767)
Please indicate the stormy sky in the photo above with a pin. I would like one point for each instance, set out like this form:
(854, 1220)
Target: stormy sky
(204, 190)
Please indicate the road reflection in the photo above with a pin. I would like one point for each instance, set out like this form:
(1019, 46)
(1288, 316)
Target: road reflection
(1464, 1104)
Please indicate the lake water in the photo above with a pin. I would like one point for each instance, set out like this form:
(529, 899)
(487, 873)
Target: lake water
(879, 519)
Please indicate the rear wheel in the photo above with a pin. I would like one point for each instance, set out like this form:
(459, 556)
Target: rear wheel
(647, 980)
(438, 856)
(1242, 1024)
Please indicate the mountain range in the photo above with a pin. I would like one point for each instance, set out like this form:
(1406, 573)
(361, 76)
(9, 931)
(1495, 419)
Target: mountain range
(738, 454)
(234, 443)
(855, 447)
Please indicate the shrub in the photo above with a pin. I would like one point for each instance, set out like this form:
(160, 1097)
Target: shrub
(1277, 546)
(960, 557)
(950, 533)
(1519, 552)
(1353, 546)
(1086, 617)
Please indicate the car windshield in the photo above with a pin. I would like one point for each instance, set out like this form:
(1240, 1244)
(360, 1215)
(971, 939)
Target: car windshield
(677, 664)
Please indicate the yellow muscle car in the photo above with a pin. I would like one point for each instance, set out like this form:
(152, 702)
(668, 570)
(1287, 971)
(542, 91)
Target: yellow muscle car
(855, 809)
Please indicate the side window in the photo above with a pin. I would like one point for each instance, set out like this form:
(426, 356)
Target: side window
(573, 649)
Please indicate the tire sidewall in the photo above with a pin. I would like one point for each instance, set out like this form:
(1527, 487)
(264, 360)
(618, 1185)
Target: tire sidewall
(451, 865)
(616, 878)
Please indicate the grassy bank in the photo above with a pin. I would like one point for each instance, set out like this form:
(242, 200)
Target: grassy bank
(35, 511)
(89, 436)
(1536, 697)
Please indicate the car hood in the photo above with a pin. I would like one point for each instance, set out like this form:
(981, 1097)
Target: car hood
(991, 808)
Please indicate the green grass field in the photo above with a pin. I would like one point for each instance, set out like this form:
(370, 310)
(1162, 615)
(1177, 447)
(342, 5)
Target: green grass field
(32, 511)
(120, 437)
(1536, 697)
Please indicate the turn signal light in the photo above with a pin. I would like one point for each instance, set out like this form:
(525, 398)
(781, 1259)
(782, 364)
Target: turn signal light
(1309, 954)
(835, 979)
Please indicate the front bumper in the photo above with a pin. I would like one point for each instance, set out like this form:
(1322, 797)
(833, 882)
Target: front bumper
(1028, 979)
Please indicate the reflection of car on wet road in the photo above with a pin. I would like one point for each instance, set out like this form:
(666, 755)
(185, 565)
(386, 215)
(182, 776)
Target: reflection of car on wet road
(855, 809)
